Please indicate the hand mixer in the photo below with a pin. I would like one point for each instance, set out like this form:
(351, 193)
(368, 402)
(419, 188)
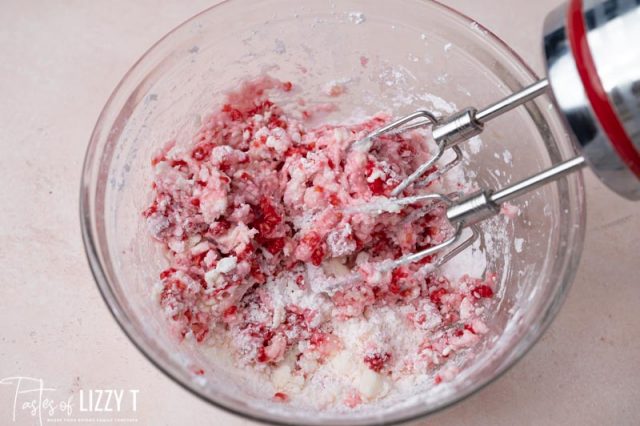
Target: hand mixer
(593, 73)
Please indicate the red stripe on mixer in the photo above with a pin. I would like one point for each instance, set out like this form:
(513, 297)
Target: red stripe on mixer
(594, 89)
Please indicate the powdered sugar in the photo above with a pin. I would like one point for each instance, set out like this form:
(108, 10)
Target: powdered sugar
(357, 17)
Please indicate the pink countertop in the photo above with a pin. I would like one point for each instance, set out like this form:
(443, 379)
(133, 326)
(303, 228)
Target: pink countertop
(60, 61)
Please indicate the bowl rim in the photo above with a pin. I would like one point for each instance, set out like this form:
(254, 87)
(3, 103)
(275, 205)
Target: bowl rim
(108, 296)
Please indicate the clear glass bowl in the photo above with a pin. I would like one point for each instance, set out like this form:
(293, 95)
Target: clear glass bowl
(413, 48)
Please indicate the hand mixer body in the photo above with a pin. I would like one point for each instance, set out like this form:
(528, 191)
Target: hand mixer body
(593, 68)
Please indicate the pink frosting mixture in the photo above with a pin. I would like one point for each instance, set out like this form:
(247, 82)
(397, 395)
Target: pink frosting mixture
(264, 202)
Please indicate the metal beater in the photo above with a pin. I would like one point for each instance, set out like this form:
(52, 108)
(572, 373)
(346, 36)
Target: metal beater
(594, 78)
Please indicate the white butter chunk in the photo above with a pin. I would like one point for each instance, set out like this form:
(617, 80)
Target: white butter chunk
(371, 384)
(224, 266)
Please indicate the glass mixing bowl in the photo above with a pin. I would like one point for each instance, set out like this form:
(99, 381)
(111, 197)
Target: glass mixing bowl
(396, 56)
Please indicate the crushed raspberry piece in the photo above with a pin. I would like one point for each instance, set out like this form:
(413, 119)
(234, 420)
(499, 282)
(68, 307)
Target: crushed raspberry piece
(230, 312)
(394, 287)
(275, 245)
(317, 256)
(268, 218)
(262, 355)
(397, 275)
(377, 187)
(312, 239)
(317, 339)
(369, 168)
(426, 260)
(197, 259)
(200, 331)
(280, 397)
(312, 242)
(167, 273)
(201, 153)
(179, 163)
(233, 113)
(247, 252)
(436, 296)
(377, 361)
(297, 150)
(257, 274)
(482, 291)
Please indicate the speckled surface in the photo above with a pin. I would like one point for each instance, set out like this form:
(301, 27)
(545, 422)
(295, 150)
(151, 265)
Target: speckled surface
(60, 61)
